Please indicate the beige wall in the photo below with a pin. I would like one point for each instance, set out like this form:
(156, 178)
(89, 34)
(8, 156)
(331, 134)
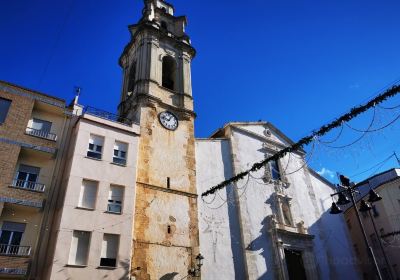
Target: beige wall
(17, 147)
(97, 221)
(388, 220)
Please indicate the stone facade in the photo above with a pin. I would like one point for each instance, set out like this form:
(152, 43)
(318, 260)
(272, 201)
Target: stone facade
(166, 232)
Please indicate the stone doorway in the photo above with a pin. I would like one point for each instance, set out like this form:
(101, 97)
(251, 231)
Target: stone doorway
(295, 265)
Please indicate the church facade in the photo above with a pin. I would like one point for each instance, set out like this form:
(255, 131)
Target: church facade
(127, 202)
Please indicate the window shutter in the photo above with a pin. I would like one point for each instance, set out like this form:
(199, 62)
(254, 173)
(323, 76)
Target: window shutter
(11, 226)
(41, 125)
(96, 140)
(109, 248)
(88, 194)
(28, 169)
(79, 247)
(120, 146)
(116, 193)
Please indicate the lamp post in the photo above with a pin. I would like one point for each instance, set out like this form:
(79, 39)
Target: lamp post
(365, 207)
(196, 271)
(349, 189)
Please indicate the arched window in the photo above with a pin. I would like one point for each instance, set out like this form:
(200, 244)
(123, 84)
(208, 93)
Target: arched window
(168, 72)
(132, 77)
(164, 25)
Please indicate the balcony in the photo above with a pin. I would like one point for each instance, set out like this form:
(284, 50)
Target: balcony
(15, 250)
(27, 185)
(41, 134)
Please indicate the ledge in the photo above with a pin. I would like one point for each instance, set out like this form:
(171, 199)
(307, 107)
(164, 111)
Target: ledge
(107, 267)
(75, 265)
(93, 158)
(113, 213)
(173, 191)
(84, 208)
(118, 164)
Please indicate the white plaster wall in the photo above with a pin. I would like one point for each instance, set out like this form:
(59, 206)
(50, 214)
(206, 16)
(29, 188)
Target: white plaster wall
(255, 206)
(213, 165)
(309, 204)
(97, 221)
(334, 249)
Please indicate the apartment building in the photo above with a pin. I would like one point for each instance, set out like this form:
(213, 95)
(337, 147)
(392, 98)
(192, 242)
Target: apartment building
(91, 236)
(381, 223)
(31, 145)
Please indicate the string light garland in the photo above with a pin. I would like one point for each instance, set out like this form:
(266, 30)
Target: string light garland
(354, 112)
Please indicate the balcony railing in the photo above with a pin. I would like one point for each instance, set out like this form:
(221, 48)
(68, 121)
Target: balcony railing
(26, 185)
(15, 250)
(107, 115)
(41, 133)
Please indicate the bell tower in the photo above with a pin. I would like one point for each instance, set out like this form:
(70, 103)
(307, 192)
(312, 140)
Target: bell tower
(157, 94)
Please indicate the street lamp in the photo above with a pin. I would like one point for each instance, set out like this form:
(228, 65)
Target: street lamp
(365, 207)
(196, 271)
(348, 189)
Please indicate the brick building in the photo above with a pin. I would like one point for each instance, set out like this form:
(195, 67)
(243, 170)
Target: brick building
(31, 147)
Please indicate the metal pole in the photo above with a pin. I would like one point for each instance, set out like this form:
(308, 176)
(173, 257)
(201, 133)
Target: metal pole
(380, 244)
(369, 249)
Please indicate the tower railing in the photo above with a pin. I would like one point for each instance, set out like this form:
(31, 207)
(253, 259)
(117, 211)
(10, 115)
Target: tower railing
(107, 115)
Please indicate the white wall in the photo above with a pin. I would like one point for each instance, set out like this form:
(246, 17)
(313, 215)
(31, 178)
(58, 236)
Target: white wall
(97, 221)
(231, 236)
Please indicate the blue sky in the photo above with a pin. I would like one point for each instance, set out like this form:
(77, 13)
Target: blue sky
(297, 64)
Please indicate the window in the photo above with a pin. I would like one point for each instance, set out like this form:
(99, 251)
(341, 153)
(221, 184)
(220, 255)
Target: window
(115, 199)
(120, 150)
(87, 196)
(4, 107)
(109, 250)
(132, 78)
(164, 25)
(41, 125)
(27, 176)
(275, 172)
(95, 146)
(10, 238)
(168, 72)
(79, 248)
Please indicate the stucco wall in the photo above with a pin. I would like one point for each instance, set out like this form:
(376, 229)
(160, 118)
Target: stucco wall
(220, 241)
(97, 221)
(246, 248)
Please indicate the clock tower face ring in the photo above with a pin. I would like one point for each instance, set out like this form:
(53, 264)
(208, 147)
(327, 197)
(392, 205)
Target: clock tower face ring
(168, 120)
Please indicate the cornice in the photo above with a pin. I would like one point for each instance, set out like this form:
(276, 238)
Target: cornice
(146, 97)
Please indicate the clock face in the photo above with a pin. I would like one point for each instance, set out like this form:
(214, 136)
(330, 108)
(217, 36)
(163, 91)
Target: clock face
(168, 120)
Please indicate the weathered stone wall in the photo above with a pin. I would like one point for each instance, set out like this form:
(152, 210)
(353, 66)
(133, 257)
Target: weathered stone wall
(166, 231)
